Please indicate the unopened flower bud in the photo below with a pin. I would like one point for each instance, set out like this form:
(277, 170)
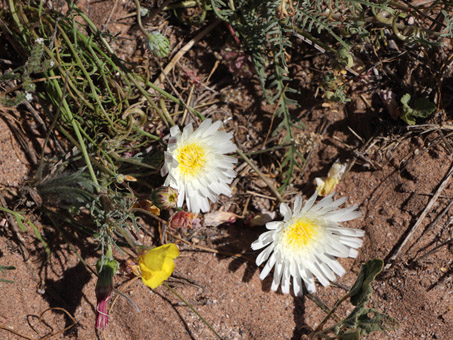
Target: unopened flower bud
(165, 197)
(158, 44)
(106, 268)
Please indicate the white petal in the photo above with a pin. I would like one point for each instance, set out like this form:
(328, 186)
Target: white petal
(309, 204)
(268, 267)
(297, 286)
(319, 275)
(188, 130)
(347, 231)
(181, 196)
(264, 255)
(278, 272)
(174, 130)
(328, 273)
(286, 280)
(207, 128)
(285, 211)
(308, 279)
(334, 265)
(353, 253)
(352, 242)
(338, 250)
(273, 225)
(263, 240)
(344, 215)
(297, 204)
(205, 206)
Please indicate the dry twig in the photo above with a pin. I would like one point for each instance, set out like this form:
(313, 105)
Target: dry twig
(417, 224)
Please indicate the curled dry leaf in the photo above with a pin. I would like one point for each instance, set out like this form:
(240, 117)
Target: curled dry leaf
(183, 219)
(148, 206)
(219, 217)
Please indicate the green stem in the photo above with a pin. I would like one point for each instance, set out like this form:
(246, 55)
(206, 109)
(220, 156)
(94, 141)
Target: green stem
(139, 19)
(118, 158)
(93, 160)
(331, 312)
(75, 125)
(321, 305)
(16, 17)
(22, 221)
(193, 310)
(277, 147)
(133, 77)
(167, 120)
(86, 74)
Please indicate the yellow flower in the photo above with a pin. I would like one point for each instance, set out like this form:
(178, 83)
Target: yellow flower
(157, 264)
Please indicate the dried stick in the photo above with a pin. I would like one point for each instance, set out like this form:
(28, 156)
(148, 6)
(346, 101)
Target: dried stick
(184, 50)
(420, 219)
(255, 168)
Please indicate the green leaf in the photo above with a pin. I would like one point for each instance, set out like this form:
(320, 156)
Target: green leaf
(3, 268)
(421, 108)
(361, 290)
(351, 335)
(370, 320)
(406, 99)
(6, 281)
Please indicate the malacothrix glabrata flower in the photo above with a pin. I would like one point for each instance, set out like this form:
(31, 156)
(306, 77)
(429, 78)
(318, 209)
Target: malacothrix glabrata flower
(306, 243)
(197, 166)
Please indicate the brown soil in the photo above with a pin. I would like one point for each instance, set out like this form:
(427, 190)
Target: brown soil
(394, 176)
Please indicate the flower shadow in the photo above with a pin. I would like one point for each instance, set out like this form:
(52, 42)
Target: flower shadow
(67, 292)
(236, 240)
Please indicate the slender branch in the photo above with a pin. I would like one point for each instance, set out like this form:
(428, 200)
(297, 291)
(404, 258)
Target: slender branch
(255, 168)
(193, 310)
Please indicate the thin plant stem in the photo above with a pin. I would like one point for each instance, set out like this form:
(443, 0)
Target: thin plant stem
(193, 310)
(76, 128)
(321, 305)
(273, 148)
(167, 120)
(255, 168)
(331, 312)
(139, 19)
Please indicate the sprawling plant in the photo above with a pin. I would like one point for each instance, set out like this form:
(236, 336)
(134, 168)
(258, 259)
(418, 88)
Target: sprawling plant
(267, 30)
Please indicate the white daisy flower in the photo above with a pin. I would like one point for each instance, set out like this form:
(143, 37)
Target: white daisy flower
(197, 166)
(306, 243)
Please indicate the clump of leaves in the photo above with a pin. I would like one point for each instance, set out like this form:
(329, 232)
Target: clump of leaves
(266, 30)
(362, 320)
(420, 108)
(335, 88)
(35, 64)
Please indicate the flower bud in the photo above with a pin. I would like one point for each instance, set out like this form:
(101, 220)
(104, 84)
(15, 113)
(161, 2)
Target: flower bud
(106, 268)
(158, 44)
(165, 197)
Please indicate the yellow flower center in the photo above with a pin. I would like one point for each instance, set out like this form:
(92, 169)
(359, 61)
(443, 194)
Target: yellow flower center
(191, 158)
(300, 233)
